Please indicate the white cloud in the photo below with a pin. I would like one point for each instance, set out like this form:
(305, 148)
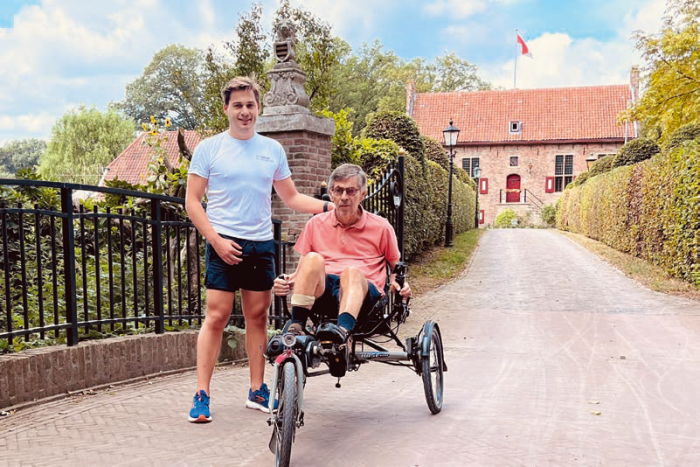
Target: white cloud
(28, 123)
(455, 8)
(61, 52)
(560, 60)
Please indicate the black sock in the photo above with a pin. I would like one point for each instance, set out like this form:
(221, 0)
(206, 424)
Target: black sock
(300, 315)
(347, 321)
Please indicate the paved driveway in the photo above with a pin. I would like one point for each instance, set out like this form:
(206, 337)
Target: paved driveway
(555, 359)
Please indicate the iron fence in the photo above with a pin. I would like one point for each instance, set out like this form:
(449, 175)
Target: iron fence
(119, 262)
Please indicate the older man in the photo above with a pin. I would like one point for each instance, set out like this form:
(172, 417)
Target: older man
(343, 265)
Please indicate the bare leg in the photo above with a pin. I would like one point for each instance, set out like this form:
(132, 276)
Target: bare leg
(310, 278)
(353, 289)
(219, 306)
(255, 306)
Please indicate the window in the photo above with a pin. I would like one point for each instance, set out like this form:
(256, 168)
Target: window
(515, 126)
(563, 171)
(469, 164)
(513, 161)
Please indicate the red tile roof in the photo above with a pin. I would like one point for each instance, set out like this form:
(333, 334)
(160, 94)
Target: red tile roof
(555, 114)
(132, 164)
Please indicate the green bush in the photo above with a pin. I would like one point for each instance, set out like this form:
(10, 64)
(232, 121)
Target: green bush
(436, 153)
(637, 150)
(398, 127)
(549, 215)
(602, 165)
(504, 220)
(687, 132)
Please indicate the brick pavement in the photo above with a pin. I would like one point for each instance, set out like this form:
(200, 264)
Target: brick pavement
(539, 335)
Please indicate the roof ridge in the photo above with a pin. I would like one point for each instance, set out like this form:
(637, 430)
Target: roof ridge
(600, 86)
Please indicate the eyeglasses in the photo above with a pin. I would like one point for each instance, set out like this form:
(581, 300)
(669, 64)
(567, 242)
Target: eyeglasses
(351, 191)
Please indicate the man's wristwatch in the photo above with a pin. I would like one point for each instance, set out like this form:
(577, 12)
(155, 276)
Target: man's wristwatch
(325, 206)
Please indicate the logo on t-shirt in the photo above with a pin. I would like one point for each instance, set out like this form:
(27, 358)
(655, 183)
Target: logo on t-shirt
(264, 157)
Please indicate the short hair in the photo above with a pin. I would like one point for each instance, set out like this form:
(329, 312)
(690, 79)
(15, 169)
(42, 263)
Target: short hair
(345, 171)
(240, 83)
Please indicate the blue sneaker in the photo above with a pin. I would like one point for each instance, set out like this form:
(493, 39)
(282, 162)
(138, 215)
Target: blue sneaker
(199, 413)
(260, 399)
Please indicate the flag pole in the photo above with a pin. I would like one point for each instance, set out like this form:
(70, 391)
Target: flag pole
(515, 62)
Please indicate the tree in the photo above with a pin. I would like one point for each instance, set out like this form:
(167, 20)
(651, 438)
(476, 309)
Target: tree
(374, 80)
(171, 86)
(83, 142)
(247, 55)
(20, 154)
(672, 95)
(362, 80)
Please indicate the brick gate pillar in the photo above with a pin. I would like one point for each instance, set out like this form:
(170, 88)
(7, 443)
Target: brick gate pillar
(305, 137)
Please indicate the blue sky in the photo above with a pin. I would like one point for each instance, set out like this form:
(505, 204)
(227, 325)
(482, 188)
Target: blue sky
(58, 54)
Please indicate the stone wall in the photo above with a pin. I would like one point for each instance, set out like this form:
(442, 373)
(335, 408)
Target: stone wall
(50, 371)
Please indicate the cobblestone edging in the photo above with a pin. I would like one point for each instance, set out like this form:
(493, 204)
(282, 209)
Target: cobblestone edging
(50, 371)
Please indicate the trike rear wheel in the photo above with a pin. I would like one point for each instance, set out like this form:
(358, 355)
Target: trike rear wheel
(287, 414)
(432, 369)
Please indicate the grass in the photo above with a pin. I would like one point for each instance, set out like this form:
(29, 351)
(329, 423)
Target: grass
(645, 273)
(439, 264)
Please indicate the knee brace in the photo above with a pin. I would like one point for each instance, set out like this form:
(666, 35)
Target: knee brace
(303, 300)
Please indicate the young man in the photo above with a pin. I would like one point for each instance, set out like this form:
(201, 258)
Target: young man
(343, 263)
(237, 170)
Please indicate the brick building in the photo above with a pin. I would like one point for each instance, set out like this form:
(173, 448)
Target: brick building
(529, 143)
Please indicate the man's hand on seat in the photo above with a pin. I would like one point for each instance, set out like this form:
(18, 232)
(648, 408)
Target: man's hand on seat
(283, 285)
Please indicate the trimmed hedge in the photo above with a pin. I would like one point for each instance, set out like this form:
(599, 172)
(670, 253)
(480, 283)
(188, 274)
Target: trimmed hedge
(650, 210)
(436, 153)
(637, 150)
(398, 127)
(604, 164)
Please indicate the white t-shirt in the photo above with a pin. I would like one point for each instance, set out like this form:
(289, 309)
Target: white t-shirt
(240, 174)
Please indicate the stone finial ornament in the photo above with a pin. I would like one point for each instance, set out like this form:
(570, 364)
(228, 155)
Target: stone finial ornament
(286, 93)
(286, 39)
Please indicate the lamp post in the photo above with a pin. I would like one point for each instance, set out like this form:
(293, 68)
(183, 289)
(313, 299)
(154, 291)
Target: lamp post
(451, 133)
(477, 175)
(590, 161)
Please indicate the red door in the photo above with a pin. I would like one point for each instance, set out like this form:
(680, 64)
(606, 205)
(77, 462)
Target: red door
(513, 189)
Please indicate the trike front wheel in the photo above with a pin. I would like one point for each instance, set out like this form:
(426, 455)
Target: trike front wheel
(287, 413)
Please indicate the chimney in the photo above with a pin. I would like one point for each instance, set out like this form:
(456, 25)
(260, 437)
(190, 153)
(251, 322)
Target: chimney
(410, 96)
(634, 83)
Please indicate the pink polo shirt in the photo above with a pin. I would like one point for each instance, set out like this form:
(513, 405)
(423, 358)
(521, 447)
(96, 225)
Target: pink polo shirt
(368, 245)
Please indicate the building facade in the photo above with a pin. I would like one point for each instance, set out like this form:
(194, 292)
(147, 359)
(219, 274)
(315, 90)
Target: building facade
(529, 143)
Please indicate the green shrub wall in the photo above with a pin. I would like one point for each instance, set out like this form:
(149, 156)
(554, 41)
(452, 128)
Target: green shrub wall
(650, 209)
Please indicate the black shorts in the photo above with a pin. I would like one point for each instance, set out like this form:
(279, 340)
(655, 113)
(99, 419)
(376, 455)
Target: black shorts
(256, 272)
(328, 304)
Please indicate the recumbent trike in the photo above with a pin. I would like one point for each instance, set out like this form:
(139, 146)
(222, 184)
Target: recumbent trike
(296, 357)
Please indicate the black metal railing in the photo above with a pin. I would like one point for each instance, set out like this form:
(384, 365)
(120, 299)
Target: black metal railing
(69, 272)
(387, 198)
(523, 196)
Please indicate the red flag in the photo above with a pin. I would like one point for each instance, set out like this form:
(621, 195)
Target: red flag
(524, 50)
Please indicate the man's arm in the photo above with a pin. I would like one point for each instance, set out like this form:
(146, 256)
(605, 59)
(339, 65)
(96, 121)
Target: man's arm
(292, 198)
(228, 250)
